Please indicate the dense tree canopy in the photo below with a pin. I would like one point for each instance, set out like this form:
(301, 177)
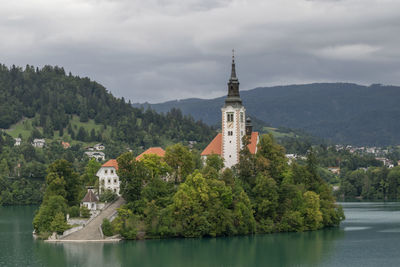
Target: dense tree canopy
(262, 196)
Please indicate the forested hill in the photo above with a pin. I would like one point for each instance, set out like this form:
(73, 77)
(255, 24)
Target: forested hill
(341, 112)
(52, 98)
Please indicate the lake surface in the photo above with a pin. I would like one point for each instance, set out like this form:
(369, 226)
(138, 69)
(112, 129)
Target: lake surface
(370, 236)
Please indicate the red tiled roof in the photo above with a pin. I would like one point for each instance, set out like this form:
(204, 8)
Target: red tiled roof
(90, 197)
(111, 163)
(253, 142)
(65, 144)
(215, 147)
(152, 150)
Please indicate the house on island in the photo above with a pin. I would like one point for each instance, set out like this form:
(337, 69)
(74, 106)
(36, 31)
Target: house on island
(228, 143)
(90, 200)
(38, 143)
(108, 178)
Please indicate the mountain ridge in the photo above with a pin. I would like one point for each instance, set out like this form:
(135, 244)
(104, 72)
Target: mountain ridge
(341, 112)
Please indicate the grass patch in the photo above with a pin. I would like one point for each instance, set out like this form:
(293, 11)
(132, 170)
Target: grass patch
(276, 133)
(24, 128)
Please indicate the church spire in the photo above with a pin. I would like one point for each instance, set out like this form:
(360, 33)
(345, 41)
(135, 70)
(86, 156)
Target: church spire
(233, 86)
(233, 71)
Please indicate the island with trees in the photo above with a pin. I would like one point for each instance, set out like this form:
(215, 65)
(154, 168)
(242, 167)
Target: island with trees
(179, 196)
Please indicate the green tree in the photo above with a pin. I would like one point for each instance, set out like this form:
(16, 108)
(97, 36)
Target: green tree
(89, 177)
(246, 167)
(4, 170)
(270, 158)
(156, 165)
(59, 224)
(312, 214)
(47, 212)
(85, 212)
(106, 227)
(132, 174)
(201, 207)
(82, 134)
(265, 204)
(215, 161)
(180, 160)
(63, 169)
(126, 223)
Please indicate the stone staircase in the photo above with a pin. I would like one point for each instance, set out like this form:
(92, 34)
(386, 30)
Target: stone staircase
(92, 231)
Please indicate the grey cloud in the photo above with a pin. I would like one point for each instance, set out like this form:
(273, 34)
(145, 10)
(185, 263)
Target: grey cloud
(160, 50)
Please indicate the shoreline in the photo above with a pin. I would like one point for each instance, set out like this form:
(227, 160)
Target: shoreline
(84, 241)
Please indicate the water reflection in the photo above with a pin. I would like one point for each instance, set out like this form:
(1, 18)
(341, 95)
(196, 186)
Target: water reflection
(290, 249)
(77, 254)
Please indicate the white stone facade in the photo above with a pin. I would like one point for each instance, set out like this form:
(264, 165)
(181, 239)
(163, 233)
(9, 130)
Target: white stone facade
(233, 129)
(108, 179)
(99, 156)
(17, 141)
(90, 205)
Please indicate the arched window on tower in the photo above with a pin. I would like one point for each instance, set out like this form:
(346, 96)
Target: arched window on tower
(229, 116)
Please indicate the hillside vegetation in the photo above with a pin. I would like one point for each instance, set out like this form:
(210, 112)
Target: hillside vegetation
(341, 112)
(53, 100)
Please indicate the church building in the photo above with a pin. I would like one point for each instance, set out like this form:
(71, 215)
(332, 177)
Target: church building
(228, 143)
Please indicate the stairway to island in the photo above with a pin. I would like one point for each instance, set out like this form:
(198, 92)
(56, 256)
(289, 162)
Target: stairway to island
(91, 232)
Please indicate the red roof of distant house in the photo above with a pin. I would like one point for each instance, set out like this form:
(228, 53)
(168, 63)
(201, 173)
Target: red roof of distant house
(65, 144)
(152, 150)
(111, 163)
(90, 197)
(215, 147)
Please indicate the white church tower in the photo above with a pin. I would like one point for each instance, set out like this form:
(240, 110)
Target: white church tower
(233, 121)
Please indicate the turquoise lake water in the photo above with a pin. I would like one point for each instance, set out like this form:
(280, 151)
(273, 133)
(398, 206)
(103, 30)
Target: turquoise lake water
(370, 236)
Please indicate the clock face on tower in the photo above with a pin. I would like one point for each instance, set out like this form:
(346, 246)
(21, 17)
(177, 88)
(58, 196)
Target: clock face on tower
(230, 124)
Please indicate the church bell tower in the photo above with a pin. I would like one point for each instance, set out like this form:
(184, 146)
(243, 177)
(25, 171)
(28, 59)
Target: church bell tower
(233, 120)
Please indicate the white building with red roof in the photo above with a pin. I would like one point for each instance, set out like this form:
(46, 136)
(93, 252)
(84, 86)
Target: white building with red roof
(229, 142)
(108, 178)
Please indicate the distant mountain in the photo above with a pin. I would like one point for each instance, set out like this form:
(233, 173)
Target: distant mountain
(341, 112)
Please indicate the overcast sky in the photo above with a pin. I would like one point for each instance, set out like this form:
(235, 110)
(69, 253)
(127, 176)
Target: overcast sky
(158, 50)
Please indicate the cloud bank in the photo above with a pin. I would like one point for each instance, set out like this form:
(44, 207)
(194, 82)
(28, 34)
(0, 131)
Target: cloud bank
(157, 50)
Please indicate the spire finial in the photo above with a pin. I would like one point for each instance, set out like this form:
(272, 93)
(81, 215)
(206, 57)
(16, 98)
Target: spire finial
(233, 72)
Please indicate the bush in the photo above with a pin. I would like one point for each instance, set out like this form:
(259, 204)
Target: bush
(106, 227)
(85, 212)
(59, 224)
(73, 211)
(126, 223)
